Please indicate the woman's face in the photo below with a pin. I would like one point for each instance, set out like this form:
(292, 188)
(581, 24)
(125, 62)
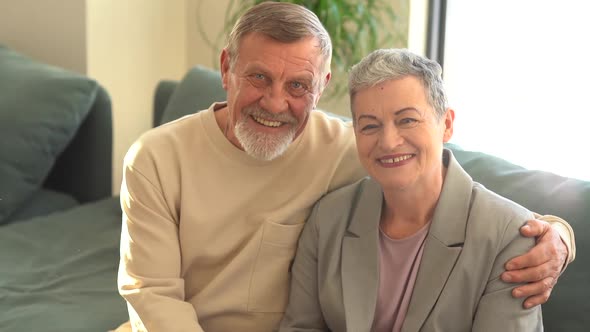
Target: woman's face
(398, 135)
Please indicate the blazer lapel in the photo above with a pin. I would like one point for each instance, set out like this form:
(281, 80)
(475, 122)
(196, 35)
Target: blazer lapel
(443, 244)
(360, 259)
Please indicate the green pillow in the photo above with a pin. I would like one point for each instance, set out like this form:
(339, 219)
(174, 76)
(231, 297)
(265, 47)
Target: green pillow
(41, 107)
(199, 88)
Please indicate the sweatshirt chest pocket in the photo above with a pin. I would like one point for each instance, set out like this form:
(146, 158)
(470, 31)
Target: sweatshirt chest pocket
(269, 284)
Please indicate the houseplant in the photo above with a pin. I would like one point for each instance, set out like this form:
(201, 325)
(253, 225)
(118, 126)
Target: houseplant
(356, 28)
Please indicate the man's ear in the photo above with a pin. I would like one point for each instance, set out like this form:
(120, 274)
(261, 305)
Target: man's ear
(323, 85)
(327, 79)
(449, 119)
(224, 68)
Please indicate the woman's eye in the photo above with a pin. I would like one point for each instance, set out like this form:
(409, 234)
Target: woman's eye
(408, 122)
(259, 76)
(369, 128)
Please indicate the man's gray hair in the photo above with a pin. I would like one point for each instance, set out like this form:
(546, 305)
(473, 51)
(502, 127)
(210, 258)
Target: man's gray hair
(283, 22)
(390, 64)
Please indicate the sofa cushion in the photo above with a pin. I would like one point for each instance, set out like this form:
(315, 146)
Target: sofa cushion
(59, 272)
(41, 107)
(199, 88)
(43, 202)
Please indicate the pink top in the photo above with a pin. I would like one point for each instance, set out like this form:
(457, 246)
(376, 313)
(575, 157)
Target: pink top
(398, 266)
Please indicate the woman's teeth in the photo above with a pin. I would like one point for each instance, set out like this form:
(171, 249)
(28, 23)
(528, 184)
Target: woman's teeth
(396, 159)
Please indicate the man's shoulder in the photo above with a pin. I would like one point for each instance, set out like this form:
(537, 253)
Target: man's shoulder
(329, 127)
(183, 130)
(167, 139)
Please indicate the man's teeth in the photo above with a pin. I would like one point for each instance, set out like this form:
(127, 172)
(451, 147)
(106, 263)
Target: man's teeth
(266, 122)
(396, 159)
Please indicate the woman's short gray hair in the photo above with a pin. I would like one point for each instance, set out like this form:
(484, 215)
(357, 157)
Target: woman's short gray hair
(284, 22)
(389, 64)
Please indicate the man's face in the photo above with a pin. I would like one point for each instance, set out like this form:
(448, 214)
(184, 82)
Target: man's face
(271, 88)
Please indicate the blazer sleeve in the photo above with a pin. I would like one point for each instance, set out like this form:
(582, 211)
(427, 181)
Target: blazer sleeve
(150, 267)
(304, 313)
(497, 309)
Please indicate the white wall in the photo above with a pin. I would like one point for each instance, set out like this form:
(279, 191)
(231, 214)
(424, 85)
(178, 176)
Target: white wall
(52, 31)
(133, 44)
(210, 16)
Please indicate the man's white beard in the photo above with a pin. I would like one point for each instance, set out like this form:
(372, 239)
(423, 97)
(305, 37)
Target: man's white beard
(260, 145)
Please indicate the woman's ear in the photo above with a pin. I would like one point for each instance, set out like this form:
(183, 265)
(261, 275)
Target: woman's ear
(449, 119)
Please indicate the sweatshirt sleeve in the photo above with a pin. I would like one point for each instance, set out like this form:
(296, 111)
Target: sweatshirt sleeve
(565, 232)
(149, 276)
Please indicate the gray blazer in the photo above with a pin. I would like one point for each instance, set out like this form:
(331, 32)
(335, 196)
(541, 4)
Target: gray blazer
(474, 232)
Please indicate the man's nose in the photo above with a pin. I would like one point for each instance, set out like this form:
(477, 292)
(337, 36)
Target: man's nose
(275, 99)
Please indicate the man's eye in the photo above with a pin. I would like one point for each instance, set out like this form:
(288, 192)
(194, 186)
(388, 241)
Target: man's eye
(297, 89)
(296, 85)
(258, 80)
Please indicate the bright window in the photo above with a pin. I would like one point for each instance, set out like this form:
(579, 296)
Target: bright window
(518, 76)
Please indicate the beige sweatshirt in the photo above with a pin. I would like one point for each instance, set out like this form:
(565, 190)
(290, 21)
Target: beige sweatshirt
(209, 233)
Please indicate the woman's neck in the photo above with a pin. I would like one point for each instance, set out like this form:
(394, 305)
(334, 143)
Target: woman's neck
(405, 211)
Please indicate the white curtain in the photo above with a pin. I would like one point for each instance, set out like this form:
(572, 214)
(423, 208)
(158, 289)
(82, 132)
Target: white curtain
(518, 76)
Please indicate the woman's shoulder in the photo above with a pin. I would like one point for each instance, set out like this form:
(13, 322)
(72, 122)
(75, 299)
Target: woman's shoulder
(495, 217)
(485, 200)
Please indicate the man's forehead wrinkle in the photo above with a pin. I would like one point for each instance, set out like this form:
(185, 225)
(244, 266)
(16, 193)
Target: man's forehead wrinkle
(305, 68)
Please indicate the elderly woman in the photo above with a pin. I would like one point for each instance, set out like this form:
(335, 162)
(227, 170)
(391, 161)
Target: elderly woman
(417, 246)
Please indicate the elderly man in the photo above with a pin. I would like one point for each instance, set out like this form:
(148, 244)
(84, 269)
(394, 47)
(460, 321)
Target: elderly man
(214, 202)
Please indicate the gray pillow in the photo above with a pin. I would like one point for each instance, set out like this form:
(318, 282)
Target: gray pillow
(199, 88)
(41, 107)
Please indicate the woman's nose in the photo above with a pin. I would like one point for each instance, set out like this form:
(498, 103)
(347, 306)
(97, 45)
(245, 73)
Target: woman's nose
(390, 138)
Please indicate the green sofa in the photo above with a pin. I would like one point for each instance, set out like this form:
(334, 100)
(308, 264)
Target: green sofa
(59, 224)
(58, 263)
